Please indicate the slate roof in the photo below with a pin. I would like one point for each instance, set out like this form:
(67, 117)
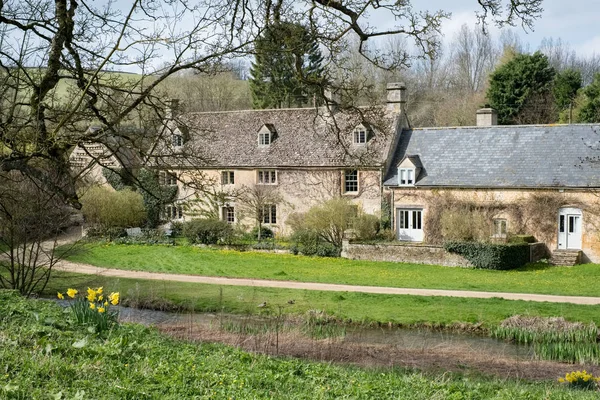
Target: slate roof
(306, 137)
(536, 156)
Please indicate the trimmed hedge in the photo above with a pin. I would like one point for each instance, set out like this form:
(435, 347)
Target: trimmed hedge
(491, 255)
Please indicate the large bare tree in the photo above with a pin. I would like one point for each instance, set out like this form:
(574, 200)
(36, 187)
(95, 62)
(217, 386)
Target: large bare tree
(55, 56)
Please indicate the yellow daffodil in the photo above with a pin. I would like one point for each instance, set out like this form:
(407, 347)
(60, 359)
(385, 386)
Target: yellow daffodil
(114, 298)
(72, 292)
(106, 304)
(92, 306)
(60, 295)
(99, 290)
(91, 294)
(100, 298)
(101, 309)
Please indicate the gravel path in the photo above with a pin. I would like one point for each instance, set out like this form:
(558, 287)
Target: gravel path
(119, 273)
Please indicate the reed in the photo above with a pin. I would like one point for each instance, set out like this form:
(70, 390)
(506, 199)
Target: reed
(553, 338)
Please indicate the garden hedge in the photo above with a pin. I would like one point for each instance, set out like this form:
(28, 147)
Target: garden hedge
(491, 255)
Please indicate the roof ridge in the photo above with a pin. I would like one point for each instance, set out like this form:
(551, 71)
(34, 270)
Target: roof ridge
(437, 128)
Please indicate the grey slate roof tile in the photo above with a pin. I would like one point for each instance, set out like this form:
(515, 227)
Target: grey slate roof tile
(503, 156)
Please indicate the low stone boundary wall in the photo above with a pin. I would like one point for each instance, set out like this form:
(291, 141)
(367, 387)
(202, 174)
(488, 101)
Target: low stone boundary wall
(418, 253)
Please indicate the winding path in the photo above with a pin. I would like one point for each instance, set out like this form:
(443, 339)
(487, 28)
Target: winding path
(119, 273)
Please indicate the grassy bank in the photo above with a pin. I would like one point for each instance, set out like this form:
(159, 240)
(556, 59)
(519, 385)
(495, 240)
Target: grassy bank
(39, 361)
(357, 307)
(578, 281)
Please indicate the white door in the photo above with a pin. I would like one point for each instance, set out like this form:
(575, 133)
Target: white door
(569, 228)
(409, 223)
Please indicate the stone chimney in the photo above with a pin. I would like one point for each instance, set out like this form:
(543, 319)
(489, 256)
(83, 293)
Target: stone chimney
(171, 108)
(396, 97)
(487, 117)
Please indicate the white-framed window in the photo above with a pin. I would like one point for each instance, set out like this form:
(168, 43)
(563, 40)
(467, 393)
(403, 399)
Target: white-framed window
(177, 140)
(172, 211)
(166, 178)
(500, 227)
(406, 176)
(360, 136)
(227, 178)
(351, 181)
(264, 138)
(228, 214)
(269, 214)
(266, 177)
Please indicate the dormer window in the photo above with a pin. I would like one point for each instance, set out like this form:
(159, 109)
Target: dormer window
(264, 139)
(177, 140)
(266, 134)
(406, 176)
(361, 135)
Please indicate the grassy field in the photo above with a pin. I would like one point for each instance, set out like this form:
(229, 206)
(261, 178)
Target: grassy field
(356, 307)
(580, 280)
(40, 361)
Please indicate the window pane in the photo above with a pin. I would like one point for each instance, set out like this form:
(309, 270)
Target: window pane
(273, 177)
(418, 220)
(409, 174)
(561, 224)
(260, 177)
(403, 177)
(351, 181)
(274, 214)
(571, 224)
(231, 181)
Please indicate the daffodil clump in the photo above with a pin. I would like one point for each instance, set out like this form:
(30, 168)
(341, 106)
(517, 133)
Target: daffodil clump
(93, 308)
(581, 379)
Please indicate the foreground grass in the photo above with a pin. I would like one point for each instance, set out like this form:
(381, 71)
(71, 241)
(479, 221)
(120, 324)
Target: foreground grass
(38, 361)
(580, 280)
(347, 306)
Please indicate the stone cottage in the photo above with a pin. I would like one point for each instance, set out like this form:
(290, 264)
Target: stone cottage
(296, 157)
(541, 180)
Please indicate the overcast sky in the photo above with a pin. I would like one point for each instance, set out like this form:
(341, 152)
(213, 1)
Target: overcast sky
(577, 22)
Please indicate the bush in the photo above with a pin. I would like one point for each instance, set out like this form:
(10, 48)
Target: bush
(176, 228)
(113, 209)
(366, 226)
(464, 225)
(309, 243)
(522, 239)
(265, 233)
(208, 231)
(491, 255)
(148, 236)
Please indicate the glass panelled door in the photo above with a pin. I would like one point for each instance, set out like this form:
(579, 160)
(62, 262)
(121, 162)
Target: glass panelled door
(409, 224)
(569, 228)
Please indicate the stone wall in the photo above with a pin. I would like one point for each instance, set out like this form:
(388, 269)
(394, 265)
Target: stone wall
(419, 253)
(403, 252)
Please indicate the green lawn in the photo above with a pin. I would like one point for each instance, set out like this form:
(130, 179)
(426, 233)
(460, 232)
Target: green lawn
(357, 307)
(45, 355)
(580, 280)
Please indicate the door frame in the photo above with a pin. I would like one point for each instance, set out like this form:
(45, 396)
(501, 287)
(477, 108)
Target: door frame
(410, 209)
(562, 242)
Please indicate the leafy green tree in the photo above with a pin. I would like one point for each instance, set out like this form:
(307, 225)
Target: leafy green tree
(521, 90)
(589, 111)
(566, 85)
(288, 66)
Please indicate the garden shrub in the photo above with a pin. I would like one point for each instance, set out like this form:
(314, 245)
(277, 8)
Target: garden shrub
(148, 236)
(176, 228)
(491, 255)
(309, 243)
(265, 233)
(208, 231)
(366, 226)
(102, 232)
(522, 239)
(113, 209)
